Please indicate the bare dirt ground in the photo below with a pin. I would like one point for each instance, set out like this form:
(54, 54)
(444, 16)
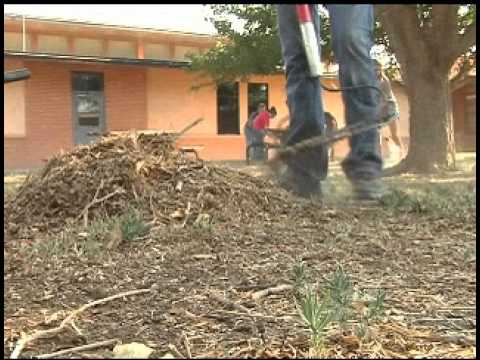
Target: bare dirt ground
(419, 246)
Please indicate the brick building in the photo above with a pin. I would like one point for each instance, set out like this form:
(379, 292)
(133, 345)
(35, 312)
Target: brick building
(464, 110)
(88, 78)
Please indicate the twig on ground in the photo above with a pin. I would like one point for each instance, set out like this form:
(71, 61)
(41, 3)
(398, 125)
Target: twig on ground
(270, 291)
(95, 201)
(142, 329)
(175, 351)
(187, 214)
(79, 348)
(245, 288)
(258, 315)
(230, 303)
(294, 351)
(242, 351)
(134, 192)
(458, 308)
(85, 210)
(187, 345)
(453, 339)
(21, 343)
(79, 332)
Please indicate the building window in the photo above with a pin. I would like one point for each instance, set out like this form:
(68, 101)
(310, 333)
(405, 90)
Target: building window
(14, 41)
(88, 47)
(87, 82)
(470, 115)
(121, 49)
(14, 109)
(228, 109)
(52, 44)
(157, 51)
(257, 93)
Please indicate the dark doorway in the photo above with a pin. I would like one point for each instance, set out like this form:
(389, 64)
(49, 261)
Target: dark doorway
(228, 109)
(88, 106)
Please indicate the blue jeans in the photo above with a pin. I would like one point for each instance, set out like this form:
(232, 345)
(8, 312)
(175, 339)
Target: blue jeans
(352, 39)
(256, 141)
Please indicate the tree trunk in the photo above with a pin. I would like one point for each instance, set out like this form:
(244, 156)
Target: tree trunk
(431, 128)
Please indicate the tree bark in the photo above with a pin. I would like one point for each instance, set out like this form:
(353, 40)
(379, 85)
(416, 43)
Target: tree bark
(425, 58)
(431, 129)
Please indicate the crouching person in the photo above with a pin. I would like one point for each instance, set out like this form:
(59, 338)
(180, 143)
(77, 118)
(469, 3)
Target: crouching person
(256, 133)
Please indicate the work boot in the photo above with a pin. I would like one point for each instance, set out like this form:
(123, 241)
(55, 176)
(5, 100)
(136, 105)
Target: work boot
(372, 189)
(299, 184)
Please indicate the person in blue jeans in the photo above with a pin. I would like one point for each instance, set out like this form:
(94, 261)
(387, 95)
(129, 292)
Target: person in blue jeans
(352, 39)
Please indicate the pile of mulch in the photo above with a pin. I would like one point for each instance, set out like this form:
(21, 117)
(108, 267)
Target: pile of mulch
(144, 172)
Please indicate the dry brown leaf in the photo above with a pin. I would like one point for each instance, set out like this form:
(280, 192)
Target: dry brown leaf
(179, 186)
(351, 342)
(178, 214)
(139, 165)
(204, 256)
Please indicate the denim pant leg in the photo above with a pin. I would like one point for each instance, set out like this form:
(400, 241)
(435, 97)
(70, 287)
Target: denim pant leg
(352, 39)
(303, 93)
(256, 141)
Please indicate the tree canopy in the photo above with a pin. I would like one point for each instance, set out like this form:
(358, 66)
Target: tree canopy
(255, 48)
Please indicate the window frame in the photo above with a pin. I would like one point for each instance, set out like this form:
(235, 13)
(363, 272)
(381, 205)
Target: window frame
(101, 75)
(7, 93)
(237, 84)
(249, 112)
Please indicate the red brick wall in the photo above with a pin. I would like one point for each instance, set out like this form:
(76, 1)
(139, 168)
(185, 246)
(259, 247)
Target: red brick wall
(48, 113)
(125, 98)
(458, 100)
(223, 147)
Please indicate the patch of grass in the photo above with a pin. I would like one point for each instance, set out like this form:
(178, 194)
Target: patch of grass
(132, 225)
(53, 247)
(300, 278)
(93, 238)
(470, 255)
(91, 241)
(375, 308)
(316, 313)
(203, 222)
(440, 198)
(12, 182)
(402, 201)
(98, 229)
(335, 305)
(340, 292)
(74, 240)
(420, 194)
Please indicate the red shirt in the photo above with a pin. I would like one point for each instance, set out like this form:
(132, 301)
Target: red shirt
(262, 121)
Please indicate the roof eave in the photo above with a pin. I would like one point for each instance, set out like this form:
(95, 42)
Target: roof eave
(213, 37)
(104, 60)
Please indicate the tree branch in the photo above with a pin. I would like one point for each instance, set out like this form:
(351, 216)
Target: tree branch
(384, 10)
(444, 20)
(401, 25)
